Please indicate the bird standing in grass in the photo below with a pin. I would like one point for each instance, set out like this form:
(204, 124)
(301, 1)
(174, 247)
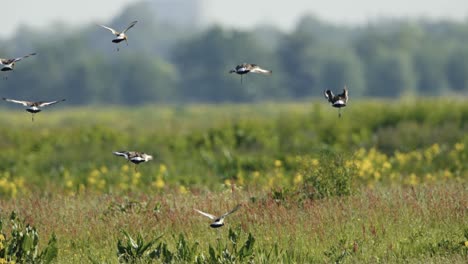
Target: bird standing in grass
(9, 64)
(245, 68)
(134, 156)
(339, 101)
(33, 107)
(218, 221)
(121, 36)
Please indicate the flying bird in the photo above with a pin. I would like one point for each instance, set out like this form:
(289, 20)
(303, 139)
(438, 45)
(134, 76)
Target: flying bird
(134, 156)
(218, 221)
(338, 100)
(120, 36)
(9, 64)
(245, 68)
(33, 107)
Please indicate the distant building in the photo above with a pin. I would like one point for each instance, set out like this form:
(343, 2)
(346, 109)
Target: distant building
(178, 12)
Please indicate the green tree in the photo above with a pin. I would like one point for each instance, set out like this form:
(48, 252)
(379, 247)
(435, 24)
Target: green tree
(313, 66)
(297, 55)
(390, 74)
(205, 60)
(429, 65)
(457, 69)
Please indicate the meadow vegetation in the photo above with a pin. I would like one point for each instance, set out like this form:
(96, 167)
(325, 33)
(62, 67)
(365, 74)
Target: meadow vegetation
(387, 182)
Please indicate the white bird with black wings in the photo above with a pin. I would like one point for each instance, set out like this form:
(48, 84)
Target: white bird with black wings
(33, 107)
(339, 101)
(9, 64)
(245, 68)
(218, 221)
(134, 156)
(120, 36)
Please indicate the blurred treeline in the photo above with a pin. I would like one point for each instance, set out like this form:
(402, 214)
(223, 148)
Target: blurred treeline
(171, 63)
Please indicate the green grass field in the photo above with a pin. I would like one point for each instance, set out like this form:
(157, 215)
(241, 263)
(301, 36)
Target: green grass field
(386, 183)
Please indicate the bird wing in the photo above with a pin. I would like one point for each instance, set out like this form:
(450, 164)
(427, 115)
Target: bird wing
(325, 93)
(121, 153)
(257, 69)
(111, 29)
(206, 214)
(6, 61)
(42, 104)
(345, 93)
(130, 26)
(25, 103)
(232, 211)
(20, 58)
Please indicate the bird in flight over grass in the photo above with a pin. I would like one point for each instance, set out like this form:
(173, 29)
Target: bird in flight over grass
(120, 36)
(134, 156)
(339, 101)
(218, 221)
(245, 68)
(9, 64)
(33, 107)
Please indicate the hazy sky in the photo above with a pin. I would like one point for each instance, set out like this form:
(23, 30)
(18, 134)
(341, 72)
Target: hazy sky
(242, 13)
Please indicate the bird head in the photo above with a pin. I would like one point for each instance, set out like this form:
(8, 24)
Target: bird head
(147, 157)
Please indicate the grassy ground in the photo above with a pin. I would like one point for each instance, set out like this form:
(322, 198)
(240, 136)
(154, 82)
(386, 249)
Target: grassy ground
(385, 183)
(422, 224)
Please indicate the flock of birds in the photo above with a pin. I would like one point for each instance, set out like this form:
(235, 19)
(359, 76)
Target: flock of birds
(34, 107)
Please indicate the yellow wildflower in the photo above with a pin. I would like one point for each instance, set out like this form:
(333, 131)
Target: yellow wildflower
(81, 188)
(123, 186)
(447, 174)
(104, 169)
(386, 165)
(159, 183)
(240, 178)
(182, 189)
(13, 189)
(377, 175)
(430, 177)
(315, 162)
(124, 168)
(94, 173)
(101, 184)
(402, 158)
(69, 184)
(435, 148)
(270, 183)
(298, 179)
(278, 163)
(466, 243)
(91, 180)
(459, 146)
(413, 179)
(227, 182)
(162, 169)
(256, 174)
(136, 178)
